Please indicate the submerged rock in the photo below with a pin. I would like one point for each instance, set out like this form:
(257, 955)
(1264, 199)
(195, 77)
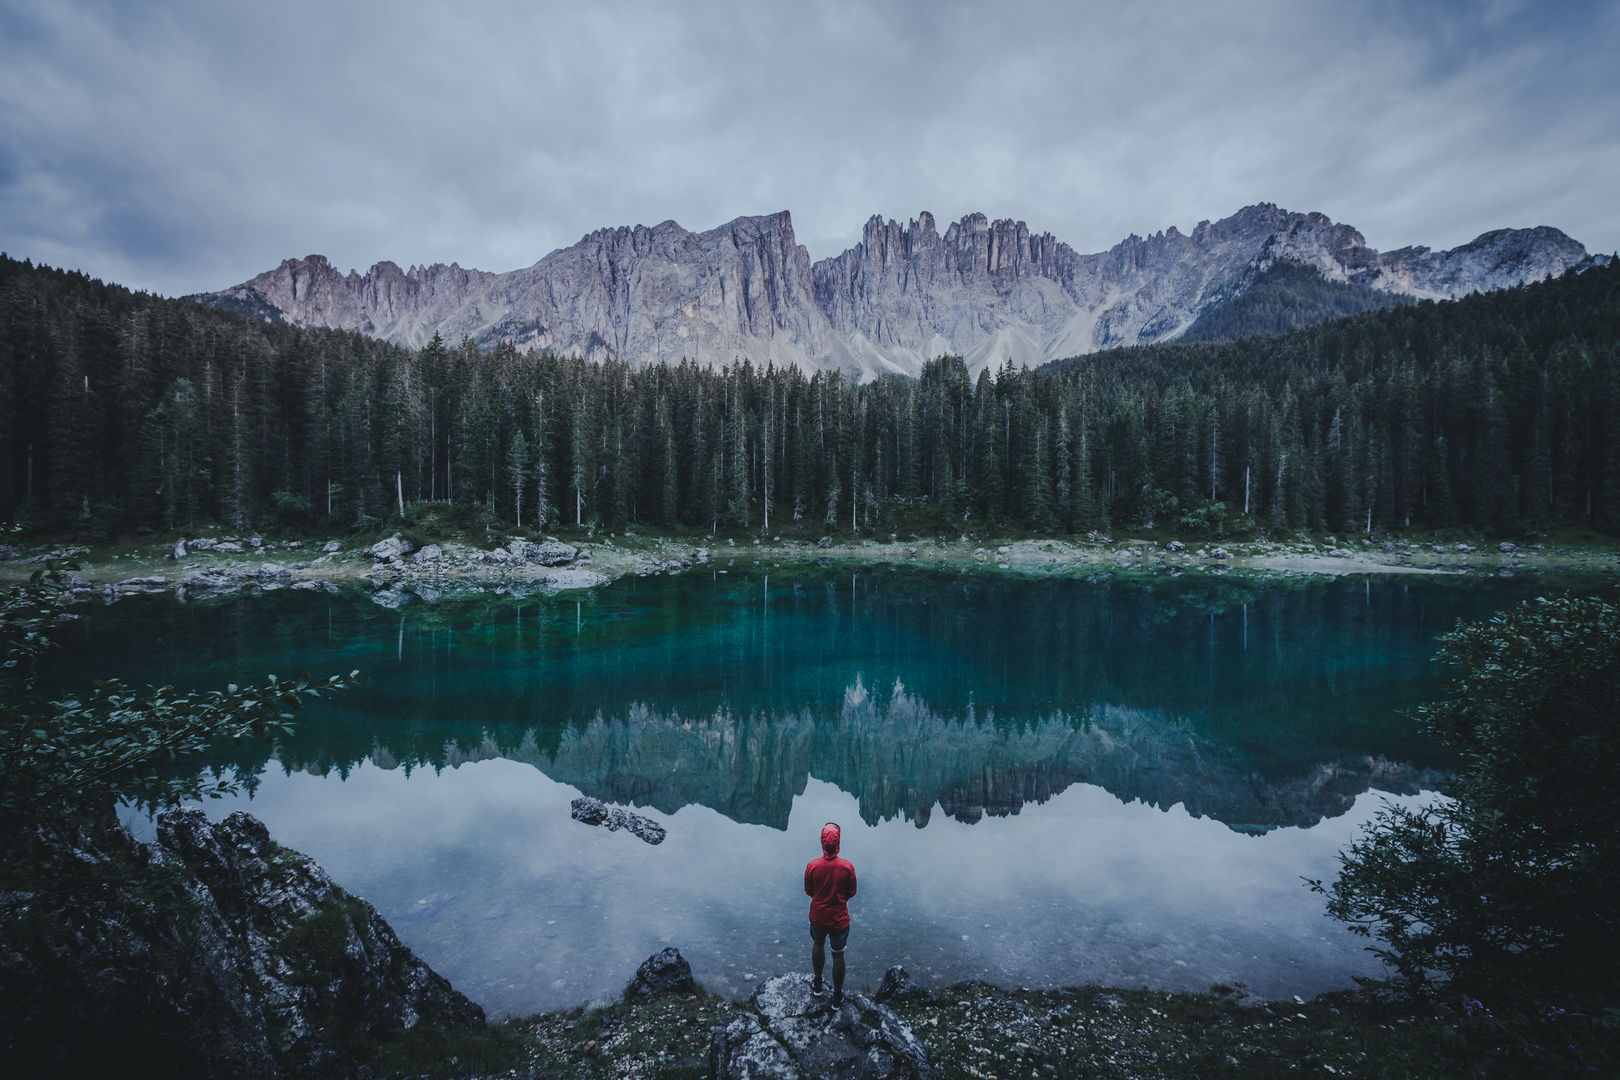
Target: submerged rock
(595, 812)
(787, 1033)
(665, 972)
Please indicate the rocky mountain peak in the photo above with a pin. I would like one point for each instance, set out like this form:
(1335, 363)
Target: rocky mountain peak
(988, 290)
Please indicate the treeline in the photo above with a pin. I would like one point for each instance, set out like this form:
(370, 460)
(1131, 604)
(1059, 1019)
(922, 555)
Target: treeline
(124, 410)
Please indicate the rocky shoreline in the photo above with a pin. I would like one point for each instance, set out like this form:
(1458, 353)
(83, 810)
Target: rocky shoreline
(258, 965)
(399, 571)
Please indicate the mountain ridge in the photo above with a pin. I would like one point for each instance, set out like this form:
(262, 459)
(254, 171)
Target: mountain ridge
(990, 291)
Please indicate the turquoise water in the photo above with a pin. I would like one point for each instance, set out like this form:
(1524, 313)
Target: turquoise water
(1041, 783)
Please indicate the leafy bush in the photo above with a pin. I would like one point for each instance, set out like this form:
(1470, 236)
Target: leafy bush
(1507, 894)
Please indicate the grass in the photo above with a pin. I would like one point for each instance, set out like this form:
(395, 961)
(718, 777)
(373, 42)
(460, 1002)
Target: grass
(975, 1031)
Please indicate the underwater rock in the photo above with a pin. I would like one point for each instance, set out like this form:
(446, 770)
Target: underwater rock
(595, 812)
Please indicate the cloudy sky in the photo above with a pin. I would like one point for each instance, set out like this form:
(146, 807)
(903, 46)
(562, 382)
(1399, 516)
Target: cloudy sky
(181, 146)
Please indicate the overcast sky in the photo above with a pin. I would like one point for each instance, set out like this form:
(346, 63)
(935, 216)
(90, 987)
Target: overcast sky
(183, 146)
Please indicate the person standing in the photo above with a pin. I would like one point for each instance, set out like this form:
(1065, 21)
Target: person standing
(829, 882)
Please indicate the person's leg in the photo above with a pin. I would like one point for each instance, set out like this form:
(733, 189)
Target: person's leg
(818, 956)
(839, 941)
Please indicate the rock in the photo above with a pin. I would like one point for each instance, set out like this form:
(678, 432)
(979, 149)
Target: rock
(1107, 1003)
(1220, 553)
(550, 553)
(665, 972)
(1506, 548)
(700, 554)
(179, 551)
(595, 812)
(824, 542)
(731, 543)
(1465, 549)
(331, 547)
(901, 988)
(574, 579)
(224, 547)
(391, 548)
(1175, 545)
(390, 598)
(431, 553)
(903, 292)
(257, 541)
(257, 956)
(145, 584)
(788, 1034)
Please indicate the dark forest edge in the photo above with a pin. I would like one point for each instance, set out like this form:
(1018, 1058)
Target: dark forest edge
(1495, 413)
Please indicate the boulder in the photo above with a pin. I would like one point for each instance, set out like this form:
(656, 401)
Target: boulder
(179, 551)
(431, 553)
(226, 548)
(824, 542)
(899, 987)
(1220, 553)
(596, 812)
(786, 1033)
(550, 553)
(665, 972)
(1506, 548)
(331, 547)
(1175, 545)
(391, 548)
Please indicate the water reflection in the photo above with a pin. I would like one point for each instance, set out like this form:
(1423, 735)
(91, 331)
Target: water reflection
(484, 874)
(1119, 783)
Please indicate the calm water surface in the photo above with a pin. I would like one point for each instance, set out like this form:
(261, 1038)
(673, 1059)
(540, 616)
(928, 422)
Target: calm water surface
(1041, 783)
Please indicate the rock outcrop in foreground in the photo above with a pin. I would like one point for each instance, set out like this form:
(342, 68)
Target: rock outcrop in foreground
(787, 1033)
(231, 956)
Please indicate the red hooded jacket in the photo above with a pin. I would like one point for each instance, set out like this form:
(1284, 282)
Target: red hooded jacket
(829, 882)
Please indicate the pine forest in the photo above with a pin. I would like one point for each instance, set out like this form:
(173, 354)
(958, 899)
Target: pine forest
(122, 410)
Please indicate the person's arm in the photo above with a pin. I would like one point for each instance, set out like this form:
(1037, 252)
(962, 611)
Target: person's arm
(851, 883)
(808, 891)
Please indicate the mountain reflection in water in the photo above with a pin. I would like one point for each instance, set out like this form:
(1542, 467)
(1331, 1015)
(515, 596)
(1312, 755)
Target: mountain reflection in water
(901, 760)
(1087, 758)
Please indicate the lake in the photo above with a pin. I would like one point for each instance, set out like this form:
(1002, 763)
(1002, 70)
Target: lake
(1041, 783)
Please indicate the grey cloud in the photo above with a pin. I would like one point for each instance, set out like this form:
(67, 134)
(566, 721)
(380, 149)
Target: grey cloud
(184, 146)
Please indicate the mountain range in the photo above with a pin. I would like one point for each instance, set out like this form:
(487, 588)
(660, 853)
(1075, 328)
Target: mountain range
(990, 291)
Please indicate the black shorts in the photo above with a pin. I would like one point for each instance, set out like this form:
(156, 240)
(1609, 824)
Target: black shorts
(840, 938)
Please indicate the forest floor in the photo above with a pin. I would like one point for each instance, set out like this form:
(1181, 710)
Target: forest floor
(976, 1031)
(605, 556)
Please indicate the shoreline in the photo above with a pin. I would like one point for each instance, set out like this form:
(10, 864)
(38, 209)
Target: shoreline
(221, 563)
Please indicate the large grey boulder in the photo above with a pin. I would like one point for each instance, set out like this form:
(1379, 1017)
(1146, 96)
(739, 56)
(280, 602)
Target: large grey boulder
(391, 548)
(550, 553)
(664, 972)
(787, 1033)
